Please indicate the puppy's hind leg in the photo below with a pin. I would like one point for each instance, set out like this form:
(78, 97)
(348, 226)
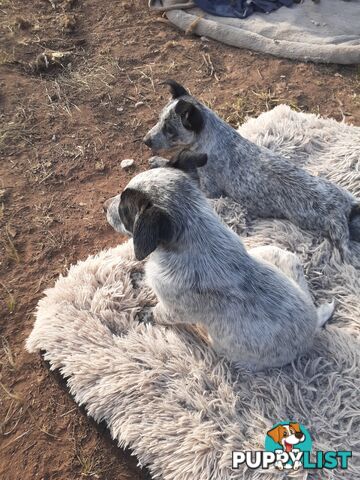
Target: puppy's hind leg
(287, 262)
(324, 312)
(339, 236)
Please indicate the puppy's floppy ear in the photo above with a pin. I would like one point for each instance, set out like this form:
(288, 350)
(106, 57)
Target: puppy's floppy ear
(187, 160)
(191, 115)
(150, 225)
(276, 433)
(176, 89)
(295, 426)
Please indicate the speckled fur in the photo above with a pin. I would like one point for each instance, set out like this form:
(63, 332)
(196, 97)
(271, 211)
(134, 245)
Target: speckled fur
(247, 301)
(162, 391)
(267, 184)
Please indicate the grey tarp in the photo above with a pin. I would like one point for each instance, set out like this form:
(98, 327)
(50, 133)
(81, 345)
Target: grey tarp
(328, 31)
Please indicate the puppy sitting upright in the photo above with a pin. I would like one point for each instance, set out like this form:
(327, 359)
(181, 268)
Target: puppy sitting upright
(255, 315)
(267, 184)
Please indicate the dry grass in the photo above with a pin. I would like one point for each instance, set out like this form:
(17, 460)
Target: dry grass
(21, 128)
(7, 58)
(252, 103)
(9, 394)
(13, 417)
(89, 465)
(10, 302)
(42, 428)
(9, 245)
(89, 77)
(7, 354)
(44, 216)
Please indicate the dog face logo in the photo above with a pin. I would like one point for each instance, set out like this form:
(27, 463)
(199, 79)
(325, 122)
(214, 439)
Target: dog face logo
(287, 435)
(288, 447)
(288, 440)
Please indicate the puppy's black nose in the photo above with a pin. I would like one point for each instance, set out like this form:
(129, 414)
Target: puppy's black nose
(106, 204)
(148, 142)
(299, 435)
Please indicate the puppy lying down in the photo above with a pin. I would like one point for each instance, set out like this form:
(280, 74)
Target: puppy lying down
(255, 305)
(267, 184)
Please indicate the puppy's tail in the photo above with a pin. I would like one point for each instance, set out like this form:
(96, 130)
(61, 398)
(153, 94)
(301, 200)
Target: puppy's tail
(324, 312)
(354, 223)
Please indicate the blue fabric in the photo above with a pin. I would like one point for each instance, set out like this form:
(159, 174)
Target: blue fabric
(240, 8)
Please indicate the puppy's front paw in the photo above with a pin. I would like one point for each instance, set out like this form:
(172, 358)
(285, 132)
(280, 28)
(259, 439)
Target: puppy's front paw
(279, 465)
(157, 162)
(297, 465)
(146, 315)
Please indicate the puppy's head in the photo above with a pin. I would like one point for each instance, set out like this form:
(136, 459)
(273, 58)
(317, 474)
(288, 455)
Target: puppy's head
(154, 209)
(180, 122)
(134, 214)
(287, 435)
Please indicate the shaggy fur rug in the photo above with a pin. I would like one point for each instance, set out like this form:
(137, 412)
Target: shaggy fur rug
(163, 392)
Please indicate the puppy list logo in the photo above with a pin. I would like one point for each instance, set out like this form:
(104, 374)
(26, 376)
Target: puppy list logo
(288, 446)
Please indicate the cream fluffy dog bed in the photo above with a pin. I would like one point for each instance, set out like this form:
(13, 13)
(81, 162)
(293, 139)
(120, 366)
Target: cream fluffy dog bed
(163, 392)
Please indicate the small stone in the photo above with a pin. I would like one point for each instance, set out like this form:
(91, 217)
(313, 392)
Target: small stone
(100, 166)
(12, 232)
(127, 163)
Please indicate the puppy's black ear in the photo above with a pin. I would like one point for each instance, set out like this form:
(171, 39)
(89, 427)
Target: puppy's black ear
(187, 160)
(191, 115)
(150, 225)
(176, 89)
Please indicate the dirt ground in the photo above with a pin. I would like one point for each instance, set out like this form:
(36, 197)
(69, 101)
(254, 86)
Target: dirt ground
(79, 88)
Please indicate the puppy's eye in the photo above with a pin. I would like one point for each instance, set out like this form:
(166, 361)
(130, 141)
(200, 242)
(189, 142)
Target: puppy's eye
(169, 130)
(285, 434)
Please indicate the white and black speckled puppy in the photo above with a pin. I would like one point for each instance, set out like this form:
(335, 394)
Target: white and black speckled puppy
(254, 305)
(266, 184)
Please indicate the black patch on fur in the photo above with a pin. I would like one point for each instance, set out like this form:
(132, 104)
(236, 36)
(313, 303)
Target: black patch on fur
(190, 115)
(188, 161)
(150, 225)
(355, 211)
(354, 223)
(176, 89)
